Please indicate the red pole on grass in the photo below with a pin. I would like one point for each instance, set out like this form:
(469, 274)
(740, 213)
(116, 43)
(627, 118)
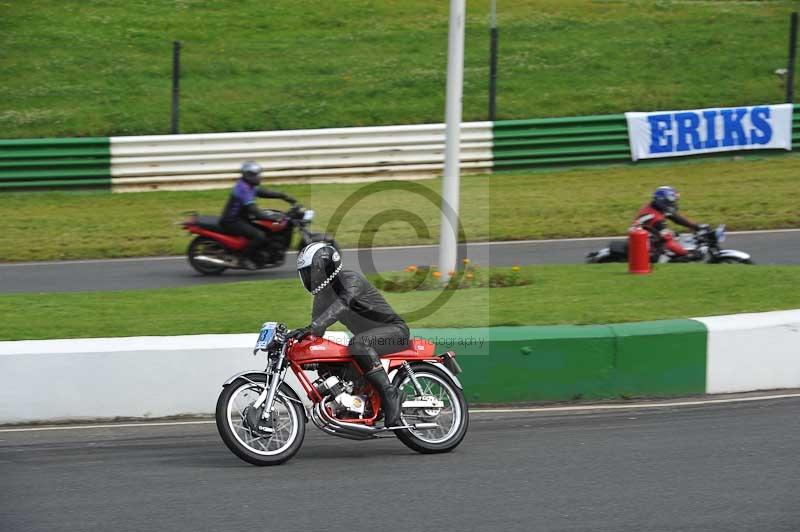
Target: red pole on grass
(638, 250)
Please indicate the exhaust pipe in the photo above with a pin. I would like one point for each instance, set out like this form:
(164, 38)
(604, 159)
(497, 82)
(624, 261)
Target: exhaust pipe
(354, 431)
(213, 260)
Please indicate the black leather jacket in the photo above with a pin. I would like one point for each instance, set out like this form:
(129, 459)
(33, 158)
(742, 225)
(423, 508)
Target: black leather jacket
(352, 300)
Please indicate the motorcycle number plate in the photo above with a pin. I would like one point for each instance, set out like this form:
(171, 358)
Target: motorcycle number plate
(266, 335)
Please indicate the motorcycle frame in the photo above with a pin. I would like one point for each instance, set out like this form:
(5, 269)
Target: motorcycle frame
(238, 243)
(235, 242)
(299, 354)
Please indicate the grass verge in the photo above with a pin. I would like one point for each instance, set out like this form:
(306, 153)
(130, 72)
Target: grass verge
(580, 294)
(745, 193)
(103, 68)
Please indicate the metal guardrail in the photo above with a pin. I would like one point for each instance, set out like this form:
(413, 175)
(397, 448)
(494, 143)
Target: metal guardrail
(795, 129)
(54, 163)
(560, 141)
(173, 162)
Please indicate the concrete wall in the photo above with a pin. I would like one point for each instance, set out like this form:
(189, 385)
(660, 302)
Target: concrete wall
(145, 377)
(141, 377)
(753, 351)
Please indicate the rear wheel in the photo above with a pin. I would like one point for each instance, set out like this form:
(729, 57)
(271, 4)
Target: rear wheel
(451, 420)
(209, 248)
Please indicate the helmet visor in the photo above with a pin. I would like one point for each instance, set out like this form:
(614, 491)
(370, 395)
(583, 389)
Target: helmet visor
(306, 277)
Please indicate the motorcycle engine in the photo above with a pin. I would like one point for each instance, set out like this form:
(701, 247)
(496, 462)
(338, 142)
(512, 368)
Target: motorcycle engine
(341, 392)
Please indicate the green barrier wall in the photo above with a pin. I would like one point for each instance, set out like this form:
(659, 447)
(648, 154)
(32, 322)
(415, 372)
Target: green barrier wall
(32, 164)
(660, 357)
(508, 364)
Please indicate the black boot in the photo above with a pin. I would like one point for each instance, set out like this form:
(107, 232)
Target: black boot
(391, 398)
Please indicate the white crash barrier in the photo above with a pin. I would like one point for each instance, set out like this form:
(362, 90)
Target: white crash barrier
(173, 162)
(139, 377)
(749, 352)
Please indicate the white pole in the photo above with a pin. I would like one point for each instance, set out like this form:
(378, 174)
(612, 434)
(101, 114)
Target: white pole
(452, 151)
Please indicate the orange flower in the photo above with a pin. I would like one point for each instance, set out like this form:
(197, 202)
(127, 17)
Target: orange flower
(466, 261)
(470, 276)
(437, 274)
(411, 268)
(515, 268)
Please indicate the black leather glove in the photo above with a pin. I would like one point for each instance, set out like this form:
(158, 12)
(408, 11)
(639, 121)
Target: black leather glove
(289, 199)
(299, 334)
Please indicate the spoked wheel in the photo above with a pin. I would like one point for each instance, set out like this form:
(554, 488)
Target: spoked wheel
(451, 420)
(287, 419)
(209, 248)
(732, 260)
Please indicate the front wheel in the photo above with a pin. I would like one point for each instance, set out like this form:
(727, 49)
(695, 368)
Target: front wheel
(288, 421)
(451, 420)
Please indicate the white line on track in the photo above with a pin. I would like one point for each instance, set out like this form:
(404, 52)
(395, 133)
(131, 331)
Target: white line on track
(522, 410)
(377, 248)
(632, 406)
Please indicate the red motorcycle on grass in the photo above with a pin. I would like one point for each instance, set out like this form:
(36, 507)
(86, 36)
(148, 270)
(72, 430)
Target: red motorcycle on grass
(263, 421)
(213, 250)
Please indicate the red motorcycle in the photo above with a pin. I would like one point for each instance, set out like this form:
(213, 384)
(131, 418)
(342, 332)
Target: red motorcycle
(214, 250)
(263, 421)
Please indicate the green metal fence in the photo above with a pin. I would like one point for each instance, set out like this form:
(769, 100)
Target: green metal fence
(560, 141)
(55, 163)
(796, 129)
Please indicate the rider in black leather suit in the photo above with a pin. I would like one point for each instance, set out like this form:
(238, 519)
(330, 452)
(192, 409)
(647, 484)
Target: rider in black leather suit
(348, 297)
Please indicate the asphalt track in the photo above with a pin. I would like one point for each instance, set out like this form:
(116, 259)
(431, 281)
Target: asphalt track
(770, 247)
(705, 468)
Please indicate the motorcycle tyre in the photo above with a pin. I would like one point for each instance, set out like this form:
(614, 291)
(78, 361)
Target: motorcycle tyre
(205, 269)
(233, 444)
(731, 260)
(410, 440)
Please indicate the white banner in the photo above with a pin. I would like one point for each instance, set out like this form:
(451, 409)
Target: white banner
(677, 133)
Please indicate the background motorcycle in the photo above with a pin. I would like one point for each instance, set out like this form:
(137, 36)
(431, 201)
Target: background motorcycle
(214, 250)
(434, 415)
(703, 246)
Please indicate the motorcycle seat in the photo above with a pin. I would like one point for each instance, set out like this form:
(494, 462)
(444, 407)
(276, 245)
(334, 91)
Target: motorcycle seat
(211, 223)
(416, 347)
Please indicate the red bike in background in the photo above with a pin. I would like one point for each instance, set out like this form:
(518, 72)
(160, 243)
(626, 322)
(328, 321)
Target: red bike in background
(213, 250)
(263, 421)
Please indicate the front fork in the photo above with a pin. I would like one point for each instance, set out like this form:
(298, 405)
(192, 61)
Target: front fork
(267, 397)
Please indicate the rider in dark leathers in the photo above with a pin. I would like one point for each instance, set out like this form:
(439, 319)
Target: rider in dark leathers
(241, 208)
(348, 297)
